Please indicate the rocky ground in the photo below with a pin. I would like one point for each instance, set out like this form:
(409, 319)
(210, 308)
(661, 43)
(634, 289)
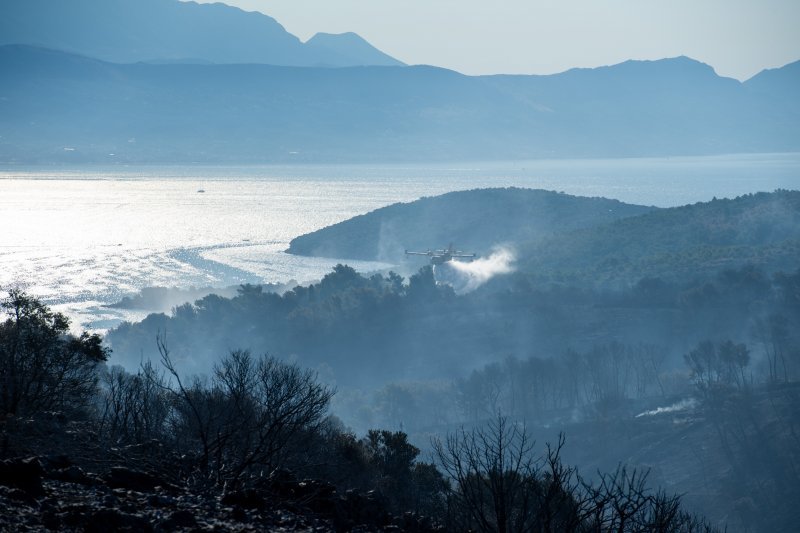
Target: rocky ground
(58, 475)
(51, 493)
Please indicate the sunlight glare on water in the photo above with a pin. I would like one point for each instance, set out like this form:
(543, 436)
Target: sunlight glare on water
(83, 237)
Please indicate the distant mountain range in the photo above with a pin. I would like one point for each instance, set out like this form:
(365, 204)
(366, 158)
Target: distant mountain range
(60, 107)
(168, 31)
(151, 81)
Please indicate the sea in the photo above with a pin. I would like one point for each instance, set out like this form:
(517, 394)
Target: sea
(83, 238)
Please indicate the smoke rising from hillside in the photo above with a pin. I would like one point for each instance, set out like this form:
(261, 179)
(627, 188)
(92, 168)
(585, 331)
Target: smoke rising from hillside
(682, 405)
(466, 277)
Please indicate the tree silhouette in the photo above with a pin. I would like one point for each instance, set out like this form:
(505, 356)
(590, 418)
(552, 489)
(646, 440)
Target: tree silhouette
(42, 366)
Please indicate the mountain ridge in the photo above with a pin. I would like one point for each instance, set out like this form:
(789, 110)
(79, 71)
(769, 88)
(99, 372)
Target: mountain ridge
(256, 113)
(350, 49)
(122, 31)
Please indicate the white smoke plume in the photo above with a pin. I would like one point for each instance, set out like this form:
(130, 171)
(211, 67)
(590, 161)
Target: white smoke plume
(683, 405)
(468, 276)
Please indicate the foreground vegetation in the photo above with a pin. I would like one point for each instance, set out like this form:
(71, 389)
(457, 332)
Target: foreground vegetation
(240, 441)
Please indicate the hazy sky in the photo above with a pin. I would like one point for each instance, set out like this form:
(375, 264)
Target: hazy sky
(737, 37)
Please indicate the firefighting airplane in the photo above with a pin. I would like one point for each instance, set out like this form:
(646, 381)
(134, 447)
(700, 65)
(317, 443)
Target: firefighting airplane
(439, 257)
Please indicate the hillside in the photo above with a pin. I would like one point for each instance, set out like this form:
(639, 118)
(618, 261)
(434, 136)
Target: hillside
(677, 243)
(475, 220)
(563, 238)
(732, 459)
(65, 108)
(165, 31)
